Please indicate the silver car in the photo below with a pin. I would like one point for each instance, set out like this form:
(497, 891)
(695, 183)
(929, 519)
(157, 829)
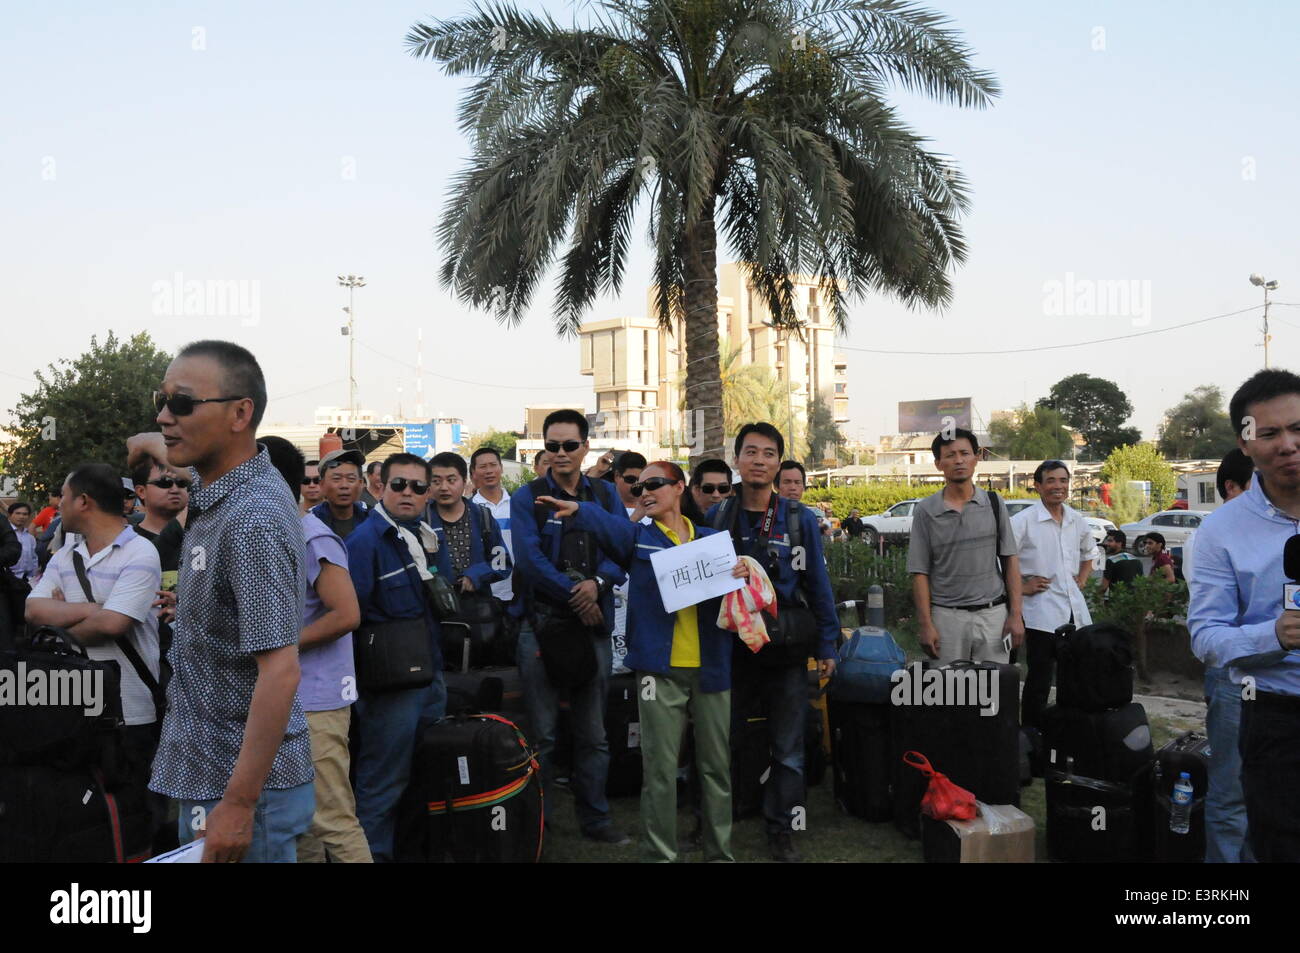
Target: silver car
(1176, 526)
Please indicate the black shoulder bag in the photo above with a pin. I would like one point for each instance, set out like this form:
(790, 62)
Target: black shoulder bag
(397, 654)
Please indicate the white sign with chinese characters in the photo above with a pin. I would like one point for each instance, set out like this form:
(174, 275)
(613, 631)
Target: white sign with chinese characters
(690, 573)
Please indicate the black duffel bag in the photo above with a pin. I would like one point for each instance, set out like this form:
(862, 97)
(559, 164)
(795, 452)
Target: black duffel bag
(63, 736)
(1094, 667)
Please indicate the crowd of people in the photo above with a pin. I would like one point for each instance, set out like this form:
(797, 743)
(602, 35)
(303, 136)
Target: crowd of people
(232, 581)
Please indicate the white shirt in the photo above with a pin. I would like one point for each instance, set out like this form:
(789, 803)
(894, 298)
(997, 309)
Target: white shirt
(124, 577)
(503, 589)
(1055, 550)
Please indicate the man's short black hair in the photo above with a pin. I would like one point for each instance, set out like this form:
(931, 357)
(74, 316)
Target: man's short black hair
(448, 459)
(1156, 538)
(537, 456)
(713, 465)
(566, 416)
(372, 466)
(1234, 466)
(19, 505)
(101, 483)
(286, 458)
(401, 460)
(1261, 387)
(1047, 466)
(143, 469)
(629, 460)
(242, 373)
(316, 463)
(482, 451)
(939, 442)
(792, 465)
(763, 429)
(1119, 535)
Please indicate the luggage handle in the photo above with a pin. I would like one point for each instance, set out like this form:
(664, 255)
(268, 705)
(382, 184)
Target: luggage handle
(52, 638)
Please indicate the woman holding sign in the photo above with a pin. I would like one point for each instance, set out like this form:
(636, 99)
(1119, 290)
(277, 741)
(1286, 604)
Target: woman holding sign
(682, 660)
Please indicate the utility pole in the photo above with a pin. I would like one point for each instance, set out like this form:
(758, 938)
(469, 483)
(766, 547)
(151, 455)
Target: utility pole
(1258, 281)
(352, 283)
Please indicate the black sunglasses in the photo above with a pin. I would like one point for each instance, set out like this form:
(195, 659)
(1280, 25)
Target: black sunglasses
(720, 488)
(553, 446)
(166, 483)
(654, 483)
(182, 405)
(399, 485)
(307, 479)
(629, 479)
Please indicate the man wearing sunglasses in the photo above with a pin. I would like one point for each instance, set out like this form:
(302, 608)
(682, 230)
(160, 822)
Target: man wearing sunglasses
(776, 684)
(710, 483)
(566, 582)
(310, 491)
(342, 511)
(391, 556)
(235, 750)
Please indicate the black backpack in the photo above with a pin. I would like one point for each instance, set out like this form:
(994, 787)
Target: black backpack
(1094, 667)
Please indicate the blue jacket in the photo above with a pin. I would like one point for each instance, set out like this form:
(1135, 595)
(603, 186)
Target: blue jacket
(387, 582)
(538, 556)
(649, 625)
(479, 571)
(323, 513)
(812, 579)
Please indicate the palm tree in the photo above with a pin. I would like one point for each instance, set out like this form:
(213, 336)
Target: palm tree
(767, 118)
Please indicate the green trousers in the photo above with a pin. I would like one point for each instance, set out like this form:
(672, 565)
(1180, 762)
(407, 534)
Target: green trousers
(664, 702)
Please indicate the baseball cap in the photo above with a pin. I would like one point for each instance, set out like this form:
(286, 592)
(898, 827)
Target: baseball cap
(335, 457)
(128, 486)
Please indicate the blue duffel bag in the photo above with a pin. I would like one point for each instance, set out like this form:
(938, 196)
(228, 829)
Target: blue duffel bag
(865, 665)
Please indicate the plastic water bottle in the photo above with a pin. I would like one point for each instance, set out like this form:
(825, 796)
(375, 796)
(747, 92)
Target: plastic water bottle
(1181, 812)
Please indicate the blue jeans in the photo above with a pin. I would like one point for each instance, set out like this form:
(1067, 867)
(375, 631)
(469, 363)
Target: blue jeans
(390, 725)
(1225, 805)
(278, 818)
(783, 693)
(590, 747)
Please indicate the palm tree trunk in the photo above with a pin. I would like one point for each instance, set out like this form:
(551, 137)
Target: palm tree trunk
(703, 369)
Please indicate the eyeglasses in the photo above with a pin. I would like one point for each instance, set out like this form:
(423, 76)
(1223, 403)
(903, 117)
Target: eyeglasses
(182, 405)
(306, 480)
(553, 446)
(399, 485)
(654, 483)
(166, 483)
(722, 489)
(630, 478)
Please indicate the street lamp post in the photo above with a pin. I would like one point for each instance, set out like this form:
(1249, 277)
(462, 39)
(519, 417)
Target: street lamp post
(1258, 281)
(352, 283)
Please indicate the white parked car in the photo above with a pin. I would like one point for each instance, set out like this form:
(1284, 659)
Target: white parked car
(893, 524)
(1099, 526)
(1176, 526)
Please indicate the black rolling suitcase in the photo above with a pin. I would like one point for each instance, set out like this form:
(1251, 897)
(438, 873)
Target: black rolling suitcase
(860, 749)
(475, 795)
(1089, 820)
(1107, 745)
(1188, 752)
(978, 752)
(53, 816)
(623, 733)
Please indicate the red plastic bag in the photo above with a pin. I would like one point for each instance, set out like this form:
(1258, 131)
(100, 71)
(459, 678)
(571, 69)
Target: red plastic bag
(944, 801)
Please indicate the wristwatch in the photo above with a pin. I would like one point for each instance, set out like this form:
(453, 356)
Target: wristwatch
(601, 585)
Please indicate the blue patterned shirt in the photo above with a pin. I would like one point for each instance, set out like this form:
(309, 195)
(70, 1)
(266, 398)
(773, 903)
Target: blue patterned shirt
(240, 591)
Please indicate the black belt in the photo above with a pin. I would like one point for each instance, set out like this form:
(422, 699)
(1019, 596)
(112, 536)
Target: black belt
(1000, 600)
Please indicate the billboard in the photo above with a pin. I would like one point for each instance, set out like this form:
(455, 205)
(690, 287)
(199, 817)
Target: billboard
(927, 416)
(420, 439)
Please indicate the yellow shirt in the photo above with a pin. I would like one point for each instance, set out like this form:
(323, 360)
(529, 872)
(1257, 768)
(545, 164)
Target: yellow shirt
(686, 627)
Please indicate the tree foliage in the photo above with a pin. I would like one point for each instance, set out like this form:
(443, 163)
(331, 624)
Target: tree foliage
(1032, 433)
(1097, 408)
(825, 440)
(503, 440)
(82, 411)
(765, 120)
(1142, 461)
(1197, 427)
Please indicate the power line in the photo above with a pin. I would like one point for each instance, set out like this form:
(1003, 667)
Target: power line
(458, 380)
(308, 390)
(1054, 347)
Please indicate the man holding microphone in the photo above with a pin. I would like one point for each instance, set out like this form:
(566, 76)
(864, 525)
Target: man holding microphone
(1236, 615)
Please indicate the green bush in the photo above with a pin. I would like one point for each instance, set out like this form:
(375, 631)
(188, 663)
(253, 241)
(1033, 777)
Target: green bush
(874, 498)
(854, 567)
(1134, 606)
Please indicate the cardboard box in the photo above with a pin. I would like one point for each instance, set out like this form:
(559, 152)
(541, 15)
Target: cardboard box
(999, 834)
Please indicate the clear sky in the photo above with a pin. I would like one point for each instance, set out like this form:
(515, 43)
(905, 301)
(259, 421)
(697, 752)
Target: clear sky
(282, 143)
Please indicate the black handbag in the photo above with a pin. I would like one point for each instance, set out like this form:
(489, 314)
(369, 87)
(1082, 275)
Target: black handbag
(567, 647)
(391, 656)
(792, 634)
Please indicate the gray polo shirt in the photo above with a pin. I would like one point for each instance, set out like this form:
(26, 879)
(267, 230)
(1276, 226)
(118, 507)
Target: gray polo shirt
(241, 590)
(956, 549)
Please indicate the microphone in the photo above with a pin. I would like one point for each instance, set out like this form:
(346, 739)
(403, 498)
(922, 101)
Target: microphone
(1291, 567)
